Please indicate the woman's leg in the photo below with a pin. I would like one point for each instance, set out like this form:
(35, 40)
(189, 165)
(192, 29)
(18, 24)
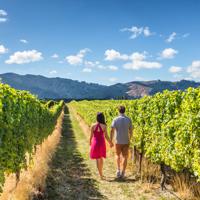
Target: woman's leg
(100, 166)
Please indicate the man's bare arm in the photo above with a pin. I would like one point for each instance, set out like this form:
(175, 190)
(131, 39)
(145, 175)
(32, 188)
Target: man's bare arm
(130, 133)
(107, 137)
(112, 132)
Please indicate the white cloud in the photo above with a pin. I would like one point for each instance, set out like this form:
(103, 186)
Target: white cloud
(24, 41)
(113, 67)
(139, 78)
(175, 69)
(53, 72)
(97, 62)
(186, 35)
(101, 67)
(112, 54)
(3, 19)
(137, 56)
(21, 57)
(107, 67)
(3, 15)
(3, 49)
(112, 79)
(147, 32)
(137, 31)
(136, 65)
(88, 70)
(84, 51)
(138, 61)
(194, 69)
(78, 58)
(74, 60)
(171, 37)
(168, 53)
(55, 55)
(91, 63)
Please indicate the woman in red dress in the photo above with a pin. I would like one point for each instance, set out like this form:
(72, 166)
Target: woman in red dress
(97, 142)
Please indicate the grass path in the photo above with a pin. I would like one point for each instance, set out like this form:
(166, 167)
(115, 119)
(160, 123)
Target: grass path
(69, 177)
(74, 176)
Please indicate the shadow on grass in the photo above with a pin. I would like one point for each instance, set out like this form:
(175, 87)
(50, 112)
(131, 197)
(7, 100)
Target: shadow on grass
(69, 177)
(127, 179)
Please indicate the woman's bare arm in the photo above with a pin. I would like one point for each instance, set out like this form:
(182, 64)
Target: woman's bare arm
(91, 134)
(107, 137)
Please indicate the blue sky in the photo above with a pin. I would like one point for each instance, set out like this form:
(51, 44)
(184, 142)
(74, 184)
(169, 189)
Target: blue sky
(101, 41)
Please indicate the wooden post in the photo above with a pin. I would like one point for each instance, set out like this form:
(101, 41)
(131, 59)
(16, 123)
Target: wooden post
(163, 176)
(17, 174)
(140, 163)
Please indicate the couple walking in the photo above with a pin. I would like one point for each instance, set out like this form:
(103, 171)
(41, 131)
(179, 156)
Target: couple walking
(121, 128)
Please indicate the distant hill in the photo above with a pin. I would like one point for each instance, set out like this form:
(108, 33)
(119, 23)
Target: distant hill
(58, 88)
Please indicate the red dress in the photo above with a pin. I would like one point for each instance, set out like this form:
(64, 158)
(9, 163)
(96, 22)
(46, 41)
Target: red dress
(98, 145)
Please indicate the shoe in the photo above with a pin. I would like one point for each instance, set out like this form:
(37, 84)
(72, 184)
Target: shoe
(122, 175)
(118, 174)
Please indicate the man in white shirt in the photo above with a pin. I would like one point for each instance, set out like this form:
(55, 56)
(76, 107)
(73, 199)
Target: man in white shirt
(122, 127)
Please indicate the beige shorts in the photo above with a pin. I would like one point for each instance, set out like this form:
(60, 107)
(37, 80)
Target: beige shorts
(122, 149)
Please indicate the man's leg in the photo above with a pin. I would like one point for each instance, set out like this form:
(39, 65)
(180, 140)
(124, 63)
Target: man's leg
(118, 162)
(125, 158)
(124, 164)
(118, 152)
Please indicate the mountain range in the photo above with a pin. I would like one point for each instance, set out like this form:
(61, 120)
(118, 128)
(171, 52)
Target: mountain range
(61, 88)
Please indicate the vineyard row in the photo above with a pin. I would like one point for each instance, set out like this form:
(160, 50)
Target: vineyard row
(166, 125)
(25, 122)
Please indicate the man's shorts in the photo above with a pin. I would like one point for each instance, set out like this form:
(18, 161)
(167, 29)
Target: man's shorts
(122, 149)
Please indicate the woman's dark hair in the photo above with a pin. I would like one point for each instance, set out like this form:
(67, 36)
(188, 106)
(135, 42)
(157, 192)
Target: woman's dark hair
(101, 118)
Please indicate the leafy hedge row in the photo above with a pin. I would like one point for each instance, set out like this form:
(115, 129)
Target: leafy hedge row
(166, 125)
(25, 122)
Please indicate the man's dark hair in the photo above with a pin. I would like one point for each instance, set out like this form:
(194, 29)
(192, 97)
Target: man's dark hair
(121, 109)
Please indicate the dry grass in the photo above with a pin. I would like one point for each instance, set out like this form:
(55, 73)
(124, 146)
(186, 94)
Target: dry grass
(32, 180)
(187, 187)
(150, 172)
(180, 185)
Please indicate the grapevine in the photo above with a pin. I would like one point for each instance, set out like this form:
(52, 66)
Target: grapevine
(25, 122)
(166, 125)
